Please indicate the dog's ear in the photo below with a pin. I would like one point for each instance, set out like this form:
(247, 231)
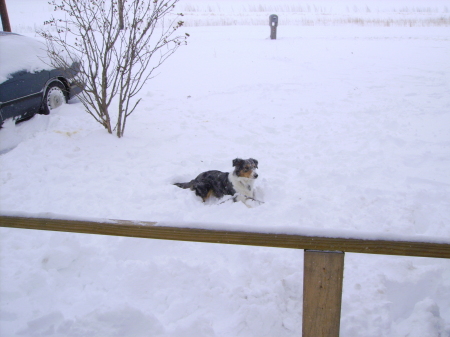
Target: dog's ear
(237, 162)
(254, 161)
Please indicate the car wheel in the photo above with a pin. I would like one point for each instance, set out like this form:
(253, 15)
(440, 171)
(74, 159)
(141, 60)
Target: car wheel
(55, 96)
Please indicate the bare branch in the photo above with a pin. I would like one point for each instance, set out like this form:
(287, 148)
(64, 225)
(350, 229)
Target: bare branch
(118, 45)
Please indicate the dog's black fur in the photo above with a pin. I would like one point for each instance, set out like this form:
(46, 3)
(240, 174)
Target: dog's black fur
(218, 184)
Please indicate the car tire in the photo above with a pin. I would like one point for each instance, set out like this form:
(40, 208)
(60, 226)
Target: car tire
(55, 96)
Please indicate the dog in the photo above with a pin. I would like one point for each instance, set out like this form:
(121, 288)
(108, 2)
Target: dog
(238, 183)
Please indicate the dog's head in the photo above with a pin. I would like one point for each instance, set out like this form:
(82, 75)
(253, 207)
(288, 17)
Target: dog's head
(245, 168)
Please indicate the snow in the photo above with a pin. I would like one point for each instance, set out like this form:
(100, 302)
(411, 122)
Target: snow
(350, 125)
(21, 53)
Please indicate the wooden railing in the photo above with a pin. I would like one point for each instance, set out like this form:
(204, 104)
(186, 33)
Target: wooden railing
(323, 260)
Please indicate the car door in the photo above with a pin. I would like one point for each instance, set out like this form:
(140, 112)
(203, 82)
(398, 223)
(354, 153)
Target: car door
(21, 95)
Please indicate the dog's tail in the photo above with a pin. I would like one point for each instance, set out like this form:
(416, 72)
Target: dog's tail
(185, 185)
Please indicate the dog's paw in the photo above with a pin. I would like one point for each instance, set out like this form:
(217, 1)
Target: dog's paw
(247, 201)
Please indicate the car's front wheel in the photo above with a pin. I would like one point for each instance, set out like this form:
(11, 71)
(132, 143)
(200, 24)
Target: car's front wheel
(55, 96)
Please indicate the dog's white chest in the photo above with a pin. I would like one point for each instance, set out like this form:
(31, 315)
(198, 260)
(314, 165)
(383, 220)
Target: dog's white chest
(243, 186)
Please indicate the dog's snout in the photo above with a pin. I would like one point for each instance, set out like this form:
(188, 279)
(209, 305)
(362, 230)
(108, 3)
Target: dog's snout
(255, 175)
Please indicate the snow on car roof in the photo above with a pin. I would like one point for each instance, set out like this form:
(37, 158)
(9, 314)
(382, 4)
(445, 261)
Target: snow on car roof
(19, 52)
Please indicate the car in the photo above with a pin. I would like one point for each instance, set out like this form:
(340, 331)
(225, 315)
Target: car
(28, 83)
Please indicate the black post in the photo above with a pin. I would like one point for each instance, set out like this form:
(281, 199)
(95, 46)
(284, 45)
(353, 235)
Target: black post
(273, 21)
(4, 15)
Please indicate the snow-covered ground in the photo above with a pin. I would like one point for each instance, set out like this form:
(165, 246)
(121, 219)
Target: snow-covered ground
(350, 124)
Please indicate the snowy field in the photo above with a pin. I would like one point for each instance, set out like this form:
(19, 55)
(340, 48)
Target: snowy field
(350, 122)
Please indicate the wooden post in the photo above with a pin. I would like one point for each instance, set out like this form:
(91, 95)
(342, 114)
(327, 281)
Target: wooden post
(273, 22)
(322, 293)
(4, 15)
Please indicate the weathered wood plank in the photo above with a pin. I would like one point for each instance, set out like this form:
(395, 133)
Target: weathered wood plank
(150, 230)
(322, 293)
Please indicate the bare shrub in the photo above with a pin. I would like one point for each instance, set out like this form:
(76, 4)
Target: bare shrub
(118, 44)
